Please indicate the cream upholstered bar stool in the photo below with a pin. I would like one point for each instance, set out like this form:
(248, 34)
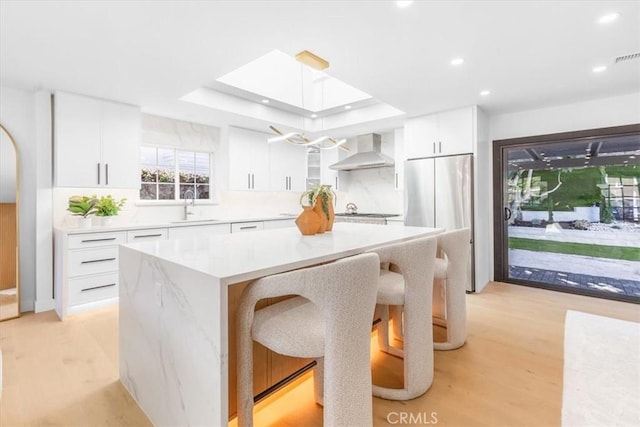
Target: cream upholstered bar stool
(329, 320)
(453, 273)
(452, 276)
(410, 287)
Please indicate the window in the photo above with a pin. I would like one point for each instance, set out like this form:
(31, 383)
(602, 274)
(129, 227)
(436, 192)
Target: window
(167, 174)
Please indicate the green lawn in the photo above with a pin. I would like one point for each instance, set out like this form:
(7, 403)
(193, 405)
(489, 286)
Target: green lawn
(600, 251)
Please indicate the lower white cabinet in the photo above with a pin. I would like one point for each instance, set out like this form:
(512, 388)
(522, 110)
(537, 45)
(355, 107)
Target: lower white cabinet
(279, 223)
(237, 227)
(86, 271)
(146, 235)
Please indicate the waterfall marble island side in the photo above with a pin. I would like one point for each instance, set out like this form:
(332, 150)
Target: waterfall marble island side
(177, 339)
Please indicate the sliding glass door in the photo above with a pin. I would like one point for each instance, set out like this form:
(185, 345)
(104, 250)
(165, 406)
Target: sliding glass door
(567, 212)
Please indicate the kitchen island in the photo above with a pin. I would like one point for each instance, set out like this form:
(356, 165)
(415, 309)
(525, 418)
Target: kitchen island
(177, 311)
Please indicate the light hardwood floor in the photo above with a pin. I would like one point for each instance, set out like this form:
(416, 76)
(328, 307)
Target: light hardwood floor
(508, 373)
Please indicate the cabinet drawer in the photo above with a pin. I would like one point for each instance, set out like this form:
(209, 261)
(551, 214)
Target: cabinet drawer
(146, 235)
(237, 227)
(93, 288)
(93, 261)
(92, 240)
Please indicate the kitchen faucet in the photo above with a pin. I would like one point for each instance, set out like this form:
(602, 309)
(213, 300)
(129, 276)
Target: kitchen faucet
(189, 195)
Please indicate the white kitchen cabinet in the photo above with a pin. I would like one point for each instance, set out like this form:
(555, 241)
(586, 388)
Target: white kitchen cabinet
(198, 231)
(146, 235)
(442, 134)
(239, 227)
(279, 223)
(287, 167)
(248, 160)
(104, 135)
(329, 176)
(86, 271)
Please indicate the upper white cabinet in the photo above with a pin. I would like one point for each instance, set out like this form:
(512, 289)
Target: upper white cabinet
(254, 164)
(96, 142)
(248, 160)
(329, 176)
(442, 134)
(287, 167)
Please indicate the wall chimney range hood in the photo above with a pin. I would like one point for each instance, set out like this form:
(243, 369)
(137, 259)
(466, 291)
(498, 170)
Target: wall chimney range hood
(369, 155)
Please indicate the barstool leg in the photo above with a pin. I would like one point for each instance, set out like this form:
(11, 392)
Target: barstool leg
(318, 381)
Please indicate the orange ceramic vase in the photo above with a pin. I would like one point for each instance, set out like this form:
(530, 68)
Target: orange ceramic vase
(332, 215)
(308, 221)
(324, 221)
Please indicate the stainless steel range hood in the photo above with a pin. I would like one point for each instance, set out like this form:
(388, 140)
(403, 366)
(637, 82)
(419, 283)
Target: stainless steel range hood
(369, 155)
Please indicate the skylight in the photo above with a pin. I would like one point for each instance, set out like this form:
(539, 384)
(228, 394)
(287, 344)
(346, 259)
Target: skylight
(279, 77)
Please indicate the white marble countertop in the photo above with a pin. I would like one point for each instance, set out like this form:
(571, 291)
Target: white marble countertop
(244, 256)
(176, 223)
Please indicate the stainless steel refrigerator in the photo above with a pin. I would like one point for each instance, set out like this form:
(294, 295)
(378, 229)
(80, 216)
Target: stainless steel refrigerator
(439, 193)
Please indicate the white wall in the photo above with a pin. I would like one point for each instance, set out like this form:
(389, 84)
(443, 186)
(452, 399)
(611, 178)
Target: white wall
(597, 113)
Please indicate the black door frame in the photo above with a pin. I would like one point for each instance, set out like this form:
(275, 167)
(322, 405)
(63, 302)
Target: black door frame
(501, 247)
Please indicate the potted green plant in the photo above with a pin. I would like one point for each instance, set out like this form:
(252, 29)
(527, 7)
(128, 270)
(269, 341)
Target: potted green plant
(83, 206)
(108, 207)
(322, 198)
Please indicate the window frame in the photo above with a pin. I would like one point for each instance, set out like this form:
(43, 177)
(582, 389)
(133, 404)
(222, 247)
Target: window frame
(176, 183)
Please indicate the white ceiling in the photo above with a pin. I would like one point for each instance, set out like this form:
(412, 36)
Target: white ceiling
(528, 54)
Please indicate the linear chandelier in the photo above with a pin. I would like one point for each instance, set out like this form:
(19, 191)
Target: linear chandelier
(323, 142)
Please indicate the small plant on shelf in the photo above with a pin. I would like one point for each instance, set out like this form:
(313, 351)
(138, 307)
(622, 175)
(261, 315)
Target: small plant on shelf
(108, 206)
(82, 205)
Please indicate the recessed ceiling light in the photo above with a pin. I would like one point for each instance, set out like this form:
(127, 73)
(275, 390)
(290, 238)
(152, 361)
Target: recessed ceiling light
(457, 61)
(610, 17)
(599, 69)
(347, 107)
(265, 101)
(313, 116)
(404, 3)
(485, 93)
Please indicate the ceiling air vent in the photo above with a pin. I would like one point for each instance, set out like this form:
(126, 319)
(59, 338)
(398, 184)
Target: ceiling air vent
(627, 57)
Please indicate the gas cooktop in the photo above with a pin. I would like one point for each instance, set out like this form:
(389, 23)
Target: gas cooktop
(367, 215)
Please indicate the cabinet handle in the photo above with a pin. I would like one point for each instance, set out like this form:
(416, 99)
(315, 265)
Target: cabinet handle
(336, 182)
(253, 184)
(249, 181)
(98, 240)
(97, 287)
(98, 173)
(248, 227)
(286, 182)
(140, 236)
(91, 261)
(434, 147)
(439, 146)
(396, 180)
(106, 174)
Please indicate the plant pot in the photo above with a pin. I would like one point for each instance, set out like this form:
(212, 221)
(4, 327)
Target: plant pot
(84, 222)
(106, 221)
(308, 222)
(332, 215)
